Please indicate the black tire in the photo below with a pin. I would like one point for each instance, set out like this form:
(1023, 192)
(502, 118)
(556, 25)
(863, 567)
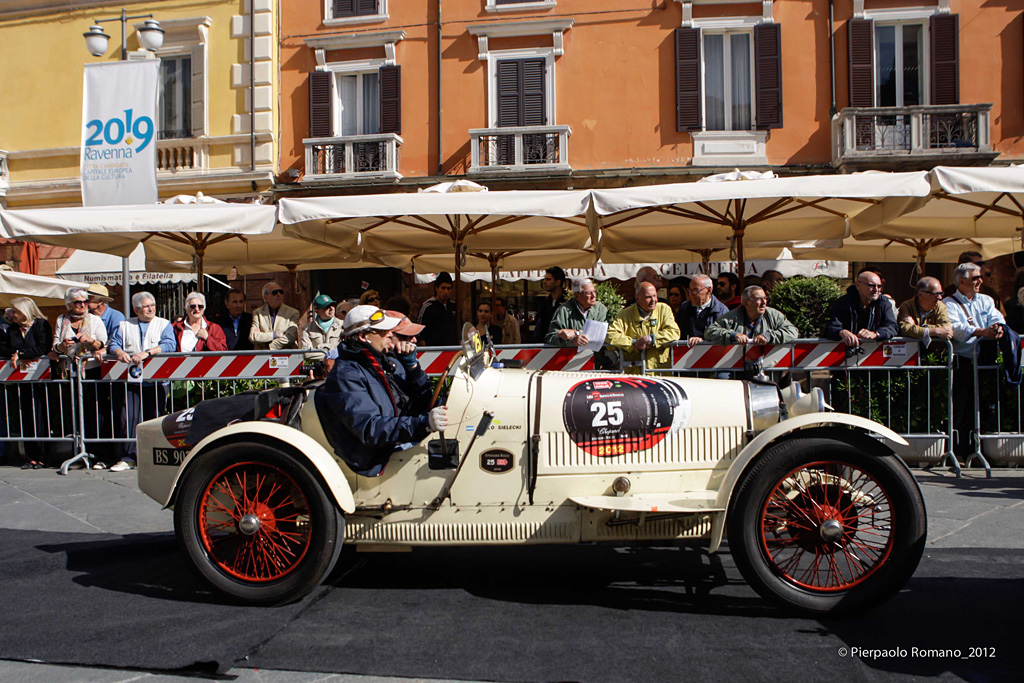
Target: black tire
(783, 532)
(256, 524)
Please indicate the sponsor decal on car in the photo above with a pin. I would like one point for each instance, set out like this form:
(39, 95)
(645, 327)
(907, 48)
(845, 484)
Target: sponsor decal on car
(623, 415)
(496, 461)
(175, 427)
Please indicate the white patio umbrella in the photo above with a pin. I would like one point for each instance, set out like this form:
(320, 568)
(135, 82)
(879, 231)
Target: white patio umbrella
(964, 202)
(773, 212)
(457, 221)
(900, 251)
(45, 291)
(189, 228)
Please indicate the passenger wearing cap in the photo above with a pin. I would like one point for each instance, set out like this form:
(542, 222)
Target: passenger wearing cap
(373, 403)
(99, 300)
(324, 331)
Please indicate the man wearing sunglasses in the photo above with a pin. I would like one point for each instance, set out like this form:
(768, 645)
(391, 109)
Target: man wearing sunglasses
(275, 325)
(863, 313)
(924, 316)
(372, 403)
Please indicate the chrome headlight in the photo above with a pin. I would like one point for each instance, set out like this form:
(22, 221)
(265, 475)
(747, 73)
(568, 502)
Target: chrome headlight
(763, 401)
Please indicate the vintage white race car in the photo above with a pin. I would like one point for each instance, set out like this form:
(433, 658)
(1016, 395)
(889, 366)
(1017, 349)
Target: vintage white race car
(820, 514)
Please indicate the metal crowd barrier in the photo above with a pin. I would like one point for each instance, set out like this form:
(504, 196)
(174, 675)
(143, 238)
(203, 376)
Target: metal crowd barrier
(38, 407)
(87, 408)
(879, 371)
(121, 395)
(998, 435)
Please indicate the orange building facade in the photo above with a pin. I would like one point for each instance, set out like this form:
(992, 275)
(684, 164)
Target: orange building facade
(379, 94)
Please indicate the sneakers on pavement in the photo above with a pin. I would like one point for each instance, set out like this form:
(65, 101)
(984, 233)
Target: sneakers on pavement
(100, 465)
(123, 466)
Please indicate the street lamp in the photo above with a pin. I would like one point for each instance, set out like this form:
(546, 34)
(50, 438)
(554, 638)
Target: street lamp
(151, 36)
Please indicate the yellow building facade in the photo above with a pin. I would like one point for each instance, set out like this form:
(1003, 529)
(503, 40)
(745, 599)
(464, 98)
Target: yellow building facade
(218, 105)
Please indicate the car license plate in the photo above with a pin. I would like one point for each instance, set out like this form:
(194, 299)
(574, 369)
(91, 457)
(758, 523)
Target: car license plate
(169, 456)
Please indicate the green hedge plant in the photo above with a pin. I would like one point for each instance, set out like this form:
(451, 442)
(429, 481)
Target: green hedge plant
(806, 302)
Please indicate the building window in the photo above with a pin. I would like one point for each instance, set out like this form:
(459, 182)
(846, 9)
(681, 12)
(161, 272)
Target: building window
(899, 64)
(358, 104)
(354, 11)
(728, 88)
(175, 97)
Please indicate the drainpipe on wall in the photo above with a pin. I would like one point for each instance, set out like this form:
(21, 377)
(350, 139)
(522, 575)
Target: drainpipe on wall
(252, 85)
(832, 54)
(440, 108)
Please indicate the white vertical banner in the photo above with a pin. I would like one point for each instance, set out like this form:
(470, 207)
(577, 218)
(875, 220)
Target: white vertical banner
(119, 133)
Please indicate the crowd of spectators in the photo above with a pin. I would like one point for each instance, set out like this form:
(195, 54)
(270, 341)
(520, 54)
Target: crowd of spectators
(697, 310)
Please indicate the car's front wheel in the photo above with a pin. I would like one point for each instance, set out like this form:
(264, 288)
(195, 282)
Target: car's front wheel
(824, 527)
(256, 524)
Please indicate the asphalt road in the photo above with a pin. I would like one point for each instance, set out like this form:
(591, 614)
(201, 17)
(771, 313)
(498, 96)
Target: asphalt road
(94, 589)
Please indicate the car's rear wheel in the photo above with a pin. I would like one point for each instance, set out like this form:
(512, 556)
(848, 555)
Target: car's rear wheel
(823, 527)
(256, 524)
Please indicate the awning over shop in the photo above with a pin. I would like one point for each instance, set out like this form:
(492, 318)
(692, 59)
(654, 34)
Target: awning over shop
(785, 264)
(94, 267)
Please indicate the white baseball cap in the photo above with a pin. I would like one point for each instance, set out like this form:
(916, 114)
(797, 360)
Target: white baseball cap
(364, 317)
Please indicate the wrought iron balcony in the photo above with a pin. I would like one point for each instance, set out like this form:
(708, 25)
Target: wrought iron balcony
(520, 149)
(911, 137)
(352, 156)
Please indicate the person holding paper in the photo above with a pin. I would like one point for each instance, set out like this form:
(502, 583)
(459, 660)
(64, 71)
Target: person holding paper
(566, 328)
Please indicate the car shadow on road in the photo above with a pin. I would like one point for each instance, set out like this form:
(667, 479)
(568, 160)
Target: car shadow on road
(141, 564)
(663, 578)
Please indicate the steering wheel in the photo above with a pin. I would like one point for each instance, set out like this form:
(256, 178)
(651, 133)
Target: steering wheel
(444, 378)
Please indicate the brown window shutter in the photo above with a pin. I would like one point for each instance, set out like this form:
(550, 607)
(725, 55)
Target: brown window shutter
(534, 109)
(320, 117)
(508, 93)
(349, 8)
(862, 89)
(768, 75)
(945, 57)
(688, 104)
(391, 99)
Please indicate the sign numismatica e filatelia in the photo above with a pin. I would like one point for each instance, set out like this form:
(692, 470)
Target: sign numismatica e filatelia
(622, 415)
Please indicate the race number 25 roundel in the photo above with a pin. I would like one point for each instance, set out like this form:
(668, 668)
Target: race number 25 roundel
(622, 415)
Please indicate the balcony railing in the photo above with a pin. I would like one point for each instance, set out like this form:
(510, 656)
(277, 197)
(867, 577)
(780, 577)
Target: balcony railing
(895, 135)
(182, 154)
(519, 149)
(352, 156)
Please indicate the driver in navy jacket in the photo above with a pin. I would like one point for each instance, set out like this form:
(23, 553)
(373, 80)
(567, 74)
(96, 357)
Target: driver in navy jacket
(371, 405)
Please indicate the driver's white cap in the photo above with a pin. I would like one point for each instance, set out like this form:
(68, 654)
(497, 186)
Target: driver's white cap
(363, 318)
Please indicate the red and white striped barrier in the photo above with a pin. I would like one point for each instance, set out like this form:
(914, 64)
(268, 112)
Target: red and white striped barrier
(27, 372)
(434, 362)
(798, 355)
(196, 367)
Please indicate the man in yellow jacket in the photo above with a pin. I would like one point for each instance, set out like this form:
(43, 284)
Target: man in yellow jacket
(644, 330)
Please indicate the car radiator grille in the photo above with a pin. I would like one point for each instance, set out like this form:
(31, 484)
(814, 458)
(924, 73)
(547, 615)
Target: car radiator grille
(697, 445)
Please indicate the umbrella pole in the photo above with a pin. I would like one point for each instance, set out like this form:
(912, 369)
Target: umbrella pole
(200, 284)
(126, 294)
(740, 265)
(292, 282)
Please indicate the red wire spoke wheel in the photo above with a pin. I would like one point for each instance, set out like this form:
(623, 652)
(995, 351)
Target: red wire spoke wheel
(827, 523)
(256, 523)
(827, 526)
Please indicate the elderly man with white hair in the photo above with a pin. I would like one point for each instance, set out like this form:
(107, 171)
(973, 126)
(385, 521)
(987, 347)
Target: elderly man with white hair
(974, 318)
(275, 325)
(566, 328)
(134, 341)
(703, 309)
